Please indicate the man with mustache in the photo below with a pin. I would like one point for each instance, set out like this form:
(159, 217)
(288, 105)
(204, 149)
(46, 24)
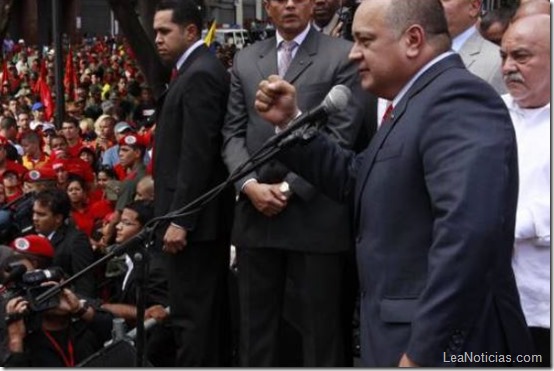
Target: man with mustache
(525, 55)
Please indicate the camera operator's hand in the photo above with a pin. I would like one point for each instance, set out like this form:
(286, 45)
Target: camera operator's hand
(69, 303)
(15, 310)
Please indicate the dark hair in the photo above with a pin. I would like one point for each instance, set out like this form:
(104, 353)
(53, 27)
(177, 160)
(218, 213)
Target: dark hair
(500, 15)
(429, 14)
(56, 200)
(71, 120)
(185, 12)
(144, 209)
(31, 136)
(108, 170)
(8, 122)
(79, 179)
(58, 136)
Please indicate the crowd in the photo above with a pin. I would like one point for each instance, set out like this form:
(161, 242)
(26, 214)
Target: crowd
(401, 217)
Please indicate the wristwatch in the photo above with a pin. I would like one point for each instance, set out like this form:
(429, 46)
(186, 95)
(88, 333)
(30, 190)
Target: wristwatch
(285, 189)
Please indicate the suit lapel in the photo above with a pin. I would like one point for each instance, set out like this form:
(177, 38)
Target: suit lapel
(471, 49)
(267, 61)
(453, 61)
(58, 236)
(189, 61)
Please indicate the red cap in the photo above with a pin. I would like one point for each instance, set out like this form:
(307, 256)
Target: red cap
(81, 168)
(58, 164)
(14, 167)
(34, 245)
(41, 174)
(132, 139)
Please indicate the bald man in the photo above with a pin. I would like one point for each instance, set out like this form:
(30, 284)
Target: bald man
(532, 7)
(525, 55)
(434, 195)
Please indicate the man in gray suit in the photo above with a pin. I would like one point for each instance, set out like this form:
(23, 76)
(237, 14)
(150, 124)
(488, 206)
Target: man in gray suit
(285, 230)
(480, 56)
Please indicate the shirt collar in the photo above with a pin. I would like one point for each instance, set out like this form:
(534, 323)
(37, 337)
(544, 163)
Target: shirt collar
(187, 53)
(406, 87)
(514, 107)
(299, 38)
(460, 40)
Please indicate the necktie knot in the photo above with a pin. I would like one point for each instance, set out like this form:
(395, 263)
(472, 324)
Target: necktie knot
(174, 73)
(285, 58)
(388, 113)
(288, 46)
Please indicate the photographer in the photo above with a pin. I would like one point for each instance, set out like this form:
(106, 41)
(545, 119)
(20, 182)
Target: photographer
(64, 335)
(37, 328)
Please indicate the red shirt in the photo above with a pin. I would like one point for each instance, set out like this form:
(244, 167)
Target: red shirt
(83, 220)
(73, 151)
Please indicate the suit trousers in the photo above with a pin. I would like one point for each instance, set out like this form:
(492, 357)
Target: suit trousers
(198, 296)
(264, 275)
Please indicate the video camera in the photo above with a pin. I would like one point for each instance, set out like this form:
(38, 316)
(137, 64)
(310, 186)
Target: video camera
(346, 16)
(29, 284)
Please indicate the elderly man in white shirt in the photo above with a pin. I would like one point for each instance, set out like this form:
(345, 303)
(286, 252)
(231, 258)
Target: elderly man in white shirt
(525, 55)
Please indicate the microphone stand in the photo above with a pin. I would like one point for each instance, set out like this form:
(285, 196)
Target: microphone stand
(141, 240)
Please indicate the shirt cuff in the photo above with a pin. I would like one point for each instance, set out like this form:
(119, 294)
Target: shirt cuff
(178, 226)
(246, 182)
(278, 129)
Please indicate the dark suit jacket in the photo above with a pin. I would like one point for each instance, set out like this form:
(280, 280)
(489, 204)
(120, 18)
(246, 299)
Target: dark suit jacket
(73, 253)
(435, 200)
(156, 282)
(187, 159)
(311, 221)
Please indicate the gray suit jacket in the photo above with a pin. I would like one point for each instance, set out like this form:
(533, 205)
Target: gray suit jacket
(482, 58)
(311, 221)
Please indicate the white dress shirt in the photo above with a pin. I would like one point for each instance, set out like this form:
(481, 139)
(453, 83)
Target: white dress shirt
(531, 259)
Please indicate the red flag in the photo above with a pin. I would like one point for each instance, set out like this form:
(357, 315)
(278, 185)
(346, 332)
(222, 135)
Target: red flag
(5, 75)
(43, 90)
(70, 77)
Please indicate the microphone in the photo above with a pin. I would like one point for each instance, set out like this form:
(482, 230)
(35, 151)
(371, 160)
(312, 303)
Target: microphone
(335, 101)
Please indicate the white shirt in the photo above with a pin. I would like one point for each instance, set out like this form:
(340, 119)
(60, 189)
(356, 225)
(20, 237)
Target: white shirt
(130, 266)
(299, 40)
(187, 53)
(531, 259)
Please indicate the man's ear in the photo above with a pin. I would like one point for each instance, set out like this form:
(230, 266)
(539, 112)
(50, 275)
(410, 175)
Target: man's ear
(414, 38)
(192, 32)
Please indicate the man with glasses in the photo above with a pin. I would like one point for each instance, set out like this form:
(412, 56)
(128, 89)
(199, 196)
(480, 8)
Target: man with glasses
(160, 347)
(285, 230)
